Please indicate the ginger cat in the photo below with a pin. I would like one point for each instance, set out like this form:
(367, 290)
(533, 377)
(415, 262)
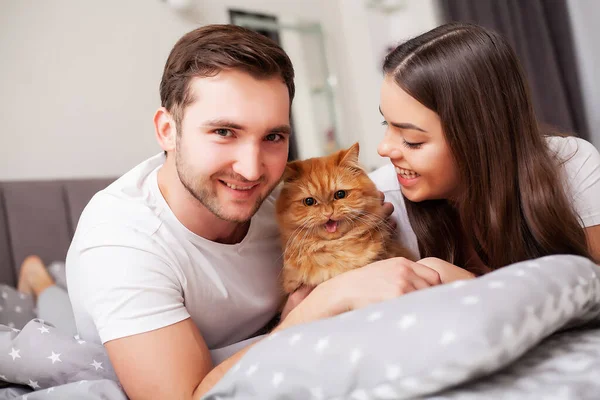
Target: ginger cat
(331, 220)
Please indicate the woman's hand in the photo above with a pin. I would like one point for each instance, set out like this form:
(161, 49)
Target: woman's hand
(448, 272)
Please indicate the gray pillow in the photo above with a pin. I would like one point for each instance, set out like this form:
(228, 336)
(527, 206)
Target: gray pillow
(422, 342)
(16, 309)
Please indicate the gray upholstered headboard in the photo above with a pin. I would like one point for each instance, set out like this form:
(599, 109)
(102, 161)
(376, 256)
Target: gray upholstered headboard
(40, 217)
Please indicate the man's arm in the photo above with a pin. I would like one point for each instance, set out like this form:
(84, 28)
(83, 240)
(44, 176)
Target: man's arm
(167, 363)
(355, 289)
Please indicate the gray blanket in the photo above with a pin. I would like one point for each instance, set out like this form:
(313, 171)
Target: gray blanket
(529, 330)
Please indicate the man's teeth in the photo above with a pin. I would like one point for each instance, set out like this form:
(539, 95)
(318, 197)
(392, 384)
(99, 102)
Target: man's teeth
(239, 187)
(406, 173)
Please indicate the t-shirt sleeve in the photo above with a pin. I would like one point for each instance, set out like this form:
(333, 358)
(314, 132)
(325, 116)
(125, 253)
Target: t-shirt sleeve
(124, 286)
(582, 168)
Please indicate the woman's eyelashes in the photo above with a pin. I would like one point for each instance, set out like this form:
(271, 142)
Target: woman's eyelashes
(405, 143)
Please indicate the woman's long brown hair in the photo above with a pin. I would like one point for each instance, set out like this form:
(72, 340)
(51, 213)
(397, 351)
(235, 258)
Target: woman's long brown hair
(513, 205)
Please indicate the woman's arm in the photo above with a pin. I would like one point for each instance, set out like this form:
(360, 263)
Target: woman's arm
(448, 272)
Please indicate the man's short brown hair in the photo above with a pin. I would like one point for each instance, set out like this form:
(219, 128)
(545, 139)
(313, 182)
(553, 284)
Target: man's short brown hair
(208, 50)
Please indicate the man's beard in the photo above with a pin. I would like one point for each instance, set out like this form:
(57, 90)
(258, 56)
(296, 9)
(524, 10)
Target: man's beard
(201, 190)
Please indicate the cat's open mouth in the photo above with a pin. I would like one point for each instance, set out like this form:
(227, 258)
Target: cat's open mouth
(331, 226)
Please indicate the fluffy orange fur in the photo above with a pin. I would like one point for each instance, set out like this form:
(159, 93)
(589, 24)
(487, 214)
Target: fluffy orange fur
(343, 227)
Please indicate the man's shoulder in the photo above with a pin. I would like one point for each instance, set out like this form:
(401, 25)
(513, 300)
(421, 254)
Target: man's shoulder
(127, 205)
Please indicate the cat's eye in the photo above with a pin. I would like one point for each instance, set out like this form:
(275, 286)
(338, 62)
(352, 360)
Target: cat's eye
(340, 194)
(309, 201)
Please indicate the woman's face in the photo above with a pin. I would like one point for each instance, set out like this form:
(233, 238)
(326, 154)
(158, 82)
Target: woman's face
(415, 144)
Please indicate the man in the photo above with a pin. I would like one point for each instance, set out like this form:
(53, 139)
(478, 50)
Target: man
(181, 254)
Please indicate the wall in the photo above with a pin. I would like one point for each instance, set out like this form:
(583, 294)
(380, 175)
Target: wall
(79, 84)
(584, 20)
(79, 80)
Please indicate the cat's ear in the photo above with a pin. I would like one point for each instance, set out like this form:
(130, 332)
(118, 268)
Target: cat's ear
(349, 157)
(292, 171)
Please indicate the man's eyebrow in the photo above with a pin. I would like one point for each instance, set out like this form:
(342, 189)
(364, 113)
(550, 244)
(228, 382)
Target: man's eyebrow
(404, 125)
(225, 123)
(284, 129)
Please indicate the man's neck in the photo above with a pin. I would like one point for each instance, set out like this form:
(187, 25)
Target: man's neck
(192, 214)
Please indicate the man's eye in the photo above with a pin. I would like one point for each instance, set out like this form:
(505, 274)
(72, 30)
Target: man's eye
(274, 137)
(223, 132)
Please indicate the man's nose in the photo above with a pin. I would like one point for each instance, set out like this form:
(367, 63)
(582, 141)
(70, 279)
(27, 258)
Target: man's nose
(249, 163)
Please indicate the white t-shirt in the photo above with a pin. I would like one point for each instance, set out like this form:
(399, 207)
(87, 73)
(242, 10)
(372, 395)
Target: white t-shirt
(581, 175)
(132, 267)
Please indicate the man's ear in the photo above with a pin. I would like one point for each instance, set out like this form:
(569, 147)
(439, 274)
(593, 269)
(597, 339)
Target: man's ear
(165, 129)
(293, 169)
(349, 157)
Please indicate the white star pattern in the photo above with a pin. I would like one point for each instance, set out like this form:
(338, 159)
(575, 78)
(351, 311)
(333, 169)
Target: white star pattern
(322, 344)
(317, 393)
(355, 356)
(34, 384)
(411, 383)
(374, 316)
(273, 336)
(470, 300)
(43, 329)
(359, 394)
(458, 284)
(447, 338)
(294, 339)
(496, 284)
(392, 372)
(15, 353)
(252, 369)
(54, 357)
(97, 365)
(407, 321)
(385, 391)
(277, 379)
(508, 331)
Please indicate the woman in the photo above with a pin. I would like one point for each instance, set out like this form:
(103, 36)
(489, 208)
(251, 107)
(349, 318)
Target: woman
(483, 184)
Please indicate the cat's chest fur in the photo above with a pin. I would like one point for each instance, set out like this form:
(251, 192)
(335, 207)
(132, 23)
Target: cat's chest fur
(320, 260)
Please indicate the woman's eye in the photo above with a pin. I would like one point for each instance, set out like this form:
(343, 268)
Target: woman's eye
(223, 132)
(412, 145)
(309, 201)
(340, 194)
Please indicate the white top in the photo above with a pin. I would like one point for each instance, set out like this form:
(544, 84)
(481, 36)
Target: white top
(133, 267)
(581, 176)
